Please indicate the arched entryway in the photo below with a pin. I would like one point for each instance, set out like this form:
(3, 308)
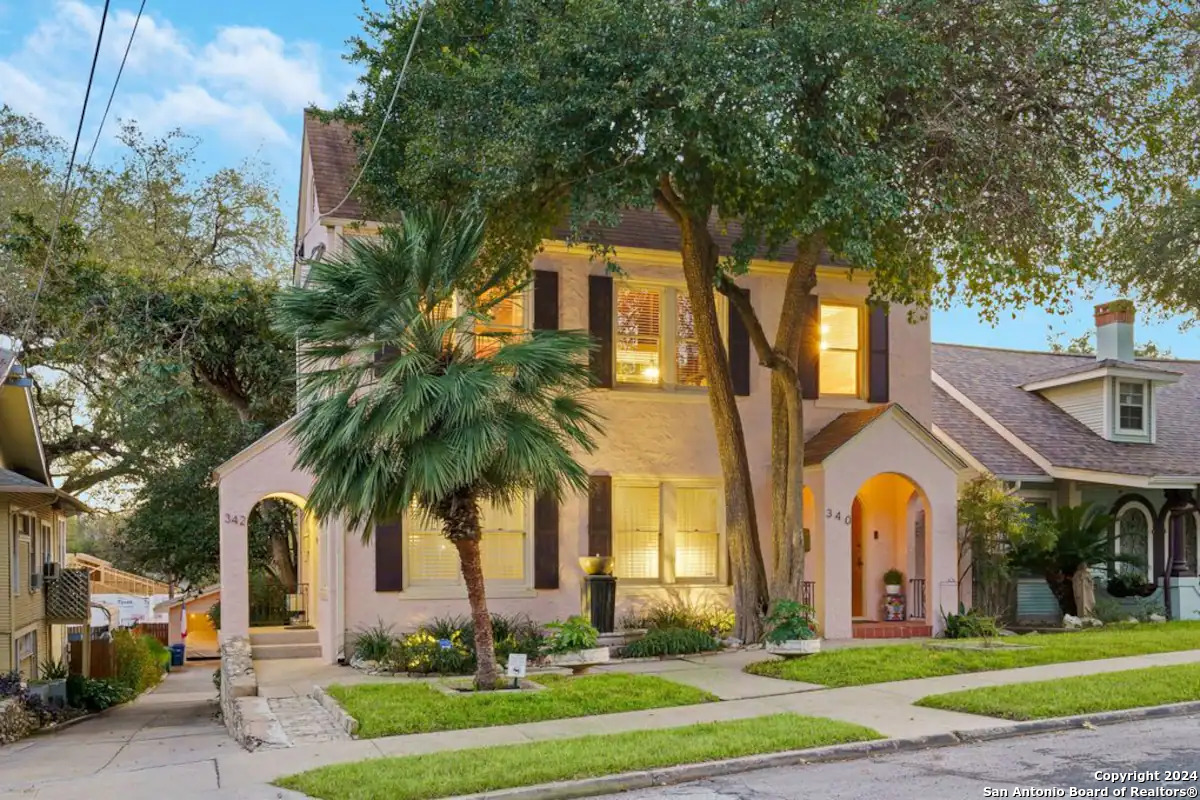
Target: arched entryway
(283, 539)
(888, 518)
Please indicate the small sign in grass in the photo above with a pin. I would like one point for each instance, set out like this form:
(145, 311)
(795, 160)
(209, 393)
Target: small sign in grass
(1087, 694)
(459, 772)
(390, 709)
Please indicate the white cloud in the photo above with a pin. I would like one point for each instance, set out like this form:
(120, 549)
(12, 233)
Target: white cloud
(190, 107)
(245, 85)
(259, 64)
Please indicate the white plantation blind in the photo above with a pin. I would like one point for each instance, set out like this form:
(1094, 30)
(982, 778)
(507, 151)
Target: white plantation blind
(841, 343)
(432, 560)
(687, 350)
(639, 335)
(697, 532)
(637, 528)
(507, 318)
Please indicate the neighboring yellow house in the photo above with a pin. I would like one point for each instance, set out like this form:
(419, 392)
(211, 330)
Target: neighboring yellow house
(41, 597)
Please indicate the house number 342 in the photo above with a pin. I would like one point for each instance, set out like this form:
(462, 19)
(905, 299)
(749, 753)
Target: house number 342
(837, 516)
(235, 519)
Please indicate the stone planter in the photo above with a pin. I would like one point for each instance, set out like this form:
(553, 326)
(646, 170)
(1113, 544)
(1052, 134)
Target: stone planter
(580, 661)
(795, 648)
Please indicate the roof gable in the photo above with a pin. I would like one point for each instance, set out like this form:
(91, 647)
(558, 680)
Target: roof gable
(846, 427)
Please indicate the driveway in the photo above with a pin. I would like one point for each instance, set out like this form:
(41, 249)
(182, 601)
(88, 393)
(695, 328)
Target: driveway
(162, 745)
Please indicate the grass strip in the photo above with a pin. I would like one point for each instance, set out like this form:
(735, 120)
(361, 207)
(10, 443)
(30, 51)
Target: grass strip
(391, 709)
(864, 665)
(458, 772)
(1086, 694)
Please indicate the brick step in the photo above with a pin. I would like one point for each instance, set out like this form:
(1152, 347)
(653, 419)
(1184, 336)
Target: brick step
(892, 630)
(266, 636)
(264, 652)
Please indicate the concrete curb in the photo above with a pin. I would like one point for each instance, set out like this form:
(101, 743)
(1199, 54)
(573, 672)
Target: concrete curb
(666, 776)
(348, 723)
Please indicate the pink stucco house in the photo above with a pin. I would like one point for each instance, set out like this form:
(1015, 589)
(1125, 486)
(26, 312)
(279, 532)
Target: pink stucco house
(881, 489)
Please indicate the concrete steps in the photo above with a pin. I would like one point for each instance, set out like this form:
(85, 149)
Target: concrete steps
(275, 643)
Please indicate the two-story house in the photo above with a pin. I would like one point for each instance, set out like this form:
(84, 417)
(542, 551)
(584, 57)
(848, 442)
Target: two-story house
(1109, 429)
(40, 598)
(880, 488)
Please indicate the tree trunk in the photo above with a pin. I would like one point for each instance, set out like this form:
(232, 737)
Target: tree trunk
(1084, 590)
(487, 674)
(1063, 591)
(700, 256)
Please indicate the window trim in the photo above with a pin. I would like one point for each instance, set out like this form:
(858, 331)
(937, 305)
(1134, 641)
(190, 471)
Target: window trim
(667, 576)
(668, 325)
(493, 588)
(1148, 569)
(861, 352)
(1144, 430)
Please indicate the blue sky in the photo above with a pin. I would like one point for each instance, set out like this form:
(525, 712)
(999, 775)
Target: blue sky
(239, 74)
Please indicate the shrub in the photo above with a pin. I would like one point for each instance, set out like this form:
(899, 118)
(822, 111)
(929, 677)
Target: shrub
(514, 634)
(969, 624)
(10, 684)
(159, 652)
(893, 577)
(571, 636)
(135, 666)
(54, 670)
(214, 615)
(1129, 584)
(421, 653)
(446, 627)
(96, 694)
(711, 617)
(670, 642)
(373, 643)
(790, 620)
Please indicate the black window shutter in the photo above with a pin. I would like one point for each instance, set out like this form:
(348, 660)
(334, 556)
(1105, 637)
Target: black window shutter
(739, 350)
(545, 300)
(600, 515)
(600, 326)
(877, 356)
(809, 362)
(389, 556)
(545, 541)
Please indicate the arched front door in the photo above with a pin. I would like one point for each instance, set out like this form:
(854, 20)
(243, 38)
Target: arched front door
(856, 560)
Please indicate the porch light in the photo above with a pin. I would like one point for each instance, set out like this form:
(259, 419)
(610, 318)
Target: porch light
(650, 373)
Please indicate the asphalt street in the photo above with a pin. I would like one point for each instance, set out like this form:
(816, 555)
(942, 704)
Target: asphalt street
(1055, 765)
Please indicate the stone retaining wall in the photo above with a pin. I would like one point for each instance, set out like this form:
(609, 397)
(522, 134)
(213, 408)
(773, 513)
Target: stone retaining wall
(246, 715)
(15, 722)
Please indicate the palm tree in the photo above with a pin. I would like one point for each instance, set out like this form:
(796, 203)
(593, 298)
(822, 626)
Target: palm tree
(1077, 539)
(404, 406)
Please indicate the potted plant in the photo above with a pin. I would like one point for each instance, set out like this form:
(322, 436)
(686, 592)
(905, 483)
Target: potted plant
(573, 644)
(893, 581)
(793, 632)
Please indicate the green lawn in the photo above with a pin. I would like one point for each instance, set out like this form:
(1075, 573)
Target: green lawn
(491, 768)
(388, 709)
(857, 666)
(1112, 691)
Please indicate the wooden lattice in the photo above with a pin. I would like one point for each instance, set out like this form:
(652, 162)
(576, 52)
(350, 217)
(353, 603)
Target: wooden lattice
(68, 597)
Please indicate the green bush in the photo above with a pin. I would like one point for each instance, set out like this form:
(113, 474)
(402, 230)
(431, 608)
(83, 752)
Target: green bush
(214, 615)
(423, 654)
(970, 624)
(713, 618)
(789, 621)
(159, 651)
(136, 667)
(514, 634)
(671, 642)
(373, 643)
(96, 694)
(576, 634)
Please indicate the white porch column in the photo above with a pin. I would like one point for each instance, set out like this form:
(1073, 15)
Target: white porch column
(814, 560)
(943, 553)
(235, 566)
(834, 513)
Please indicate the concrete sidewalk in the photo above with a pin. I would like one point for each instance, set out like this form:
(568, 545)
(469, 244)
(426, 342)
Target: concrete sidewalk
(199, 764)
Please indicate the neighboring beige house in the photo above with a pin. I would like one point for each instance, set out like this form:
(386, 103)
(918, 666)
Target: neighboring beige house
(1109, 429)
(881, 489)
(41, 596)
(198, 635)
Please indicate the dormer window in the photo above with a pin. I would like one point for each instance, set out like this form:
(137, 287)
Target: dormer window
(1131, 407)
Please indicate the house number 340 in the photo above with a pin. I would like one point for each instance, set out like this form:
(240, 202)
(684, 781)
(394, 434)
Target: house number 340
(235, 519)
(837, 516)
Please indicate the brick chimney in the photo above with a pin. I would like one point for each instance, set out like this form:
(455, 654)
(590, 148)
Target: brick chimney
(1114, 330)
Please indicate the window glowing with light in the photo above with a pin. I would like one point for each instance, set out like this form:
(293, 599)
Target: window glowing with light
(841, 344)
(432, 559)
(639, 335)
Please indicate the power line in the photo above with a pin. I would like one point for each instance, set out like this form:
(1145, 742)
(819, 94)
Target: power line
(66, 188)
(382, 125)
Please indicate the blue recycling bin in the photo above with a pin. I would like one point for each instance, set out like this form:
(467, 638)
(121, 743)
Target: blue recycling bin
(177, 655)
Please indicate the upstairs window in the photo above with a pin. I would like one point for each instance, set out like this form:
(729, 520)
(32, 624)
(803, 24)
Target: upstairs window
(1131, 406)
(656, 341)
(506, 318)
(841, 350)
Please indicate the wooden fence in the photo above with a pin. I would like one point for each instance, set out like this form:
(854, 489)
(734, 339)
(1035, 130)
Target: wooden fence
(159, 630)
(99, 654)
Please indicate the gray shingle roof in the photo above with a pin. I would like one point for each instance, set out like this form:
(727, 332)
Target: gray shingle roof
(992, 379)
(1091, 364)
(989, 447)
(10, 480)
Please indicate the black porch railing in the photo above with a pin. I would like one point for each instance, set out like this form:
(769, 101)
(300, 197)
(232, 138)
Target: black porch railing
(916, 598)
(808, 593)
